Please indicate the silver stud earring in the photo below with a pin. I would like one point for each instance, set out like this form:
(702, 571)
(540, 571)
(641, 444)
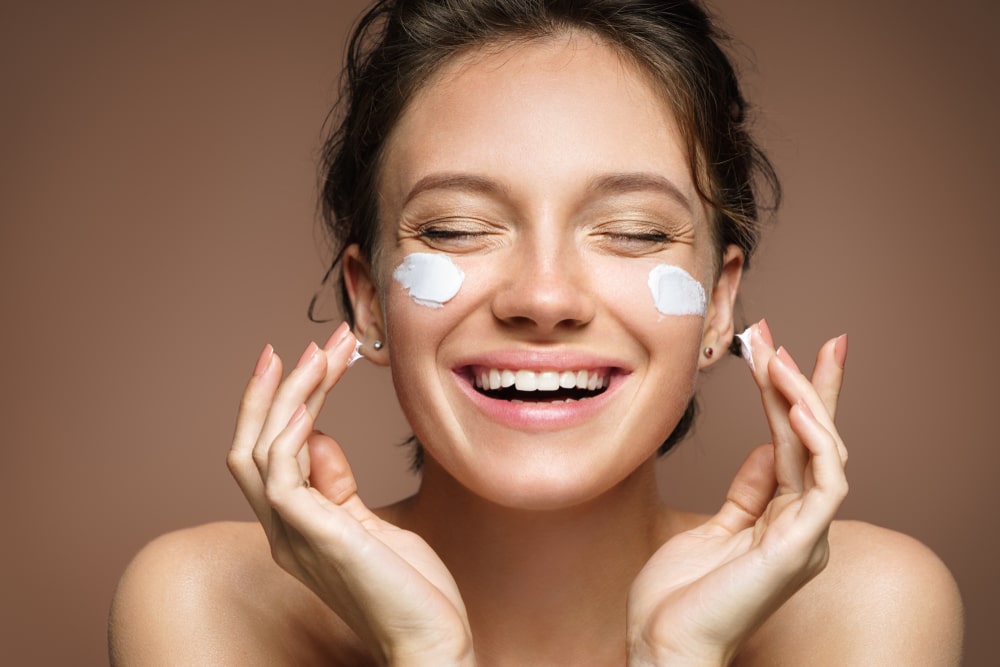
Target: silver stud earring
(377, 345)
(708, 352)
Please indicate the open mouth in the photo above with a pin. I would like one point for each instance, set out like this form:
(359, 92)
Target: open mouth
(527, 386)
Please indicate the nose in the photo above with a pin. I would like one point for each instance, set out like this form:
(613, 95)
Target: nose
(545, 290)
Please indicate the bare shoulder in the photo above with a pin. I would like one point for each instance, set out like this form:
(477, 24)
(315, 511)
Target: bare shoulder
(883, 599)
(212, 595)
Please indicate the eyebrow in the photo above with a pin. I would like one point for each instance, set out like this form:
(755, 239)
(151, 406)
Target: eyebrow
(605, 184)
(455, 181)
(638, 182)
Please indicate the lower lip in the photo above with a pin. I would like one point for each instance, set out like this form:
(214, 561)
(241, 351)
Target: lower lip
(538, 416)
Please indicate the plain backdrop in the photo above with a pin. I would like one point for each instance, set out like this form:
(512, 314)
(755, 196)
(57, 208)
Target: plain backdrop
(157, 227)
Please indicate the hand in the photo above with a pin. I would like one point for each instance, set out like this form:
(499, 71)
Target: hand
(706, 590)
(386, 583)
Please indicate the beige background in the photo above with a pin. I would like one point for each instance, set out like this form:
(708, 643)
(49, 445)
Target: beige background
(157, 207)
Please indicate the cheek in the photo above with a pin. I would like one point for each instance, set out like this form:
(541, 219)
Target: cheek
(653, 295)
(675, 291)
(430, 279)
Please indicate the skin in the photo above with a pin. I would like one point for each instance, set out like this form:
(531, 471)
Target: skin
(536, 540)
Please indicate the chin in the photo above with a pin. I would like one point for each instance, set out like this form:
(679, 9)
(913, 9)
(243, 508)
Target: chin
(546, 479)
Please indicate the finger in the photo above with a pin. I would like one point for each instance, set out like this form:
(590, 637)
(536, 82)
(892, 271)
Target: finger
(291, 393)
(293, 497)
(338, 350)
(750, 492)
(828, 375)
(795, 387)
(254, 407)
(790, 457)
(823, 500)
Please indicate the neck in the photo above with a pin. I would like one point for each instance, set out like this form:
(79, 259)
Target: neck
(553, 582)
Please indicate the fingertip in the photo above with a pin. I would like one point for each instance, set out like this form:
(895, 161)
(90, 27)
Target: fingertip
(765, 332)
(264, 361)
(308, 355)
(840, 350)
(337, 336)
(786, 358)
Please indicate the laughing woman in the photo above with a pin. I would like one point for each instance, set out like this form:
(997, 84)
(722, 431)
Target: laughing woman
(543, 210)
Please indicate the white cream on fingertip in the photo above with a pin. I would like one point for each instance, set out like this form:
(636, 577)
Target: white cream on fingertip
(431, 279)
(675, 291)
(356, 354)
(745, 348)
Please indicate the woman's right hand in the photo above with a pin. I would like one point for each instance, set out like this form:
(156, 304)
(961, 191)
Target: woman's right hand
(385, 582)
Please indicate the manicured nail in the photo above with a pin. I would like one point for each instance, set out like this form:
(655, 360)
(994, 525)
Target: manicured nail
(308, 354)
(840, 350)
(299, 413)
(338, 335)
(782, 354)
(765, 332)
(264, 360)
(805, 408)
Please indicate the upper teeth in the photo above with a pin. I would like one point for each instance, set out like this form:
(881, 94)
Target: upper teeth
(523, 380)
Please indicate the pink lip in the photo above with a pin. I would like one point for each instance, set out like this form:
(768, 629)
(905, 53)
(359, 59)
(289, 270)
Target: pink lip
(541, 416)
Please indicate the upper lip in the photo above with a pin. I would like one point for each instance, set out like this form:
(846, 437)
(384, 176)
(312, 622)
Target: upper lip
(547, 360)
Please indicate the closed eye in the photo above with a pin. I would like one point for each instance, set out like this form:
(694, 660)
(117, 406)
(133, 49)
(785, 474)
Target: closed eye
(458, 235)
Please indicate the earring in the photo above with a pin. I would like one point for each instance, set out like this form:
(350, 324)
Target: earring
(708, 352)
(377, 345)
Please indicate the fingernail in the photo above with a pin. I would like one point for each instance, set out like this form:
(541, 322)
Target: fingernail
(338, 335)
(263, 361)
(765, 332)
(308, 354)
(805, 408)
(782, 354)
(298, 414)
(840, 350)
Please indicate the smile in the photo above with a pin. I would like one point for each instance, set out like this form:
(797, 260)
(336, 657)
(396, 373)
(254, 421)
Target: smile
(550, 386)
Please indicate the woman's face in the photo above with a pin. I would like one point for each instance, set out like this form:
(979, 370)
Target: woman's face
(554, 177)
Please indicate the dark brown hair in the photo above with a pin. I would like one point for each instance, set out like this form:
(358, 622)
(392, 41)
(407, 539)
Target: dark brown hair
(398, 45)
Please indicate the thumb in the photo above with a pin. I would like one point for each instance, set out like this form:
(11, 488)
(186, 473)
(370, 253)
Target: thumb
(330, 473)
(751, 491)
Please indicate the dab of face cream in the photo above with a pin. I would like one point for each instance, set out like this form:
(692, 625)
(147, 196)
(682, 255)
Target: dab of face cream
(675, 291)
(745, 349)
(356, 355)
(431, 279)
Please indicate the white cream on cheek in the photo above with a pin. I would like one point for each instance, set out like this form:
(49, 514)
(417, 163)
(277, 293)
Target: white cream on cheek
(675, 291)
(431, 279)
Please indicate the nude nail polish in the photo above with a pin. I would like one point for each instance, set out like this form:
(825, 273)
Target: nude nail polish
(308, 354)
(840, 350)
(765, 332)
(338, 335)
(264, 360)
(782, 354)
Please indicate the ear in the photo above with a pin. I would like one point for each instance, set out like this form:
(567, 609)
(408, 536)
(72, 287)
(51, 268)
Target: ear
(362, 289)
(719, 331)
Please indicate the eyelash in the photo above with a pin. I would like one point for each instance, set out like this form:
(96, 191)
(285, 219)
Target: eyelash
(444, 234)
(649, 237)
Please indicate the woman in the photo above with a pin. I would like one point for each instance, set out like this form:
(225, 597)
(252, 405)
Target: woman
(543, 212)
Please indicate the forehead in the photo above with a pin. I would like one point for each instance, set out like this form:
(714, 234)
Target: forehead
(540, 116)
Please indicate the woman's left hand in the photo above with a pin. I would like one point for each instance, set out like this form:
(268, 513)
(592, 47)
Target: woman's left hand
(706, 590)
